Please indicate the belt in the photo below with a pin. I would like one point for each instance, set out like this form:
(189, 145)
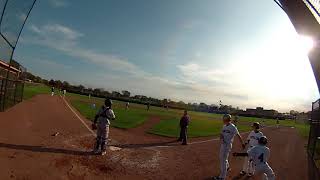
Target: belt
(260, 163)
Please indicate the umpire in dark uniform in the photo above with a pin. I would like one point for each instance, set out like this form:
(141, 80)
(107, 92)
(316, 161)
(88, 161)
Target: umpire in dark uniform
(184, 122)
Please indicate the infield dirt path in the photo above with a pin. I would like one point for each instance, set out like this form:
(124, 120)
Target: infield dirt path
(29, 151)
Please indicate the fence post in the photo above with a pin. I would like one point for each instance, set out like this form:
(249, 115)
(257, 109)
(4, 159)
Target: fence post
(15, 91)
(1, 95)
(4, 88)
(22, 90)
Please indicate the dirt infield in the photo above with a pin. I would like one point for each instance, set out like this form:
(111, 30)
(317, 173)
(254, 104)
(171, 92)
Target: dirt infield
(29, 149)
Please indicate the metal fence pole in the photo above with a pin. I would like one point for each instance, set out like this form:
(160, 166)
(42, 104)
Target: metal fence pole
(15, 92)
(1, 95)
(22, 91)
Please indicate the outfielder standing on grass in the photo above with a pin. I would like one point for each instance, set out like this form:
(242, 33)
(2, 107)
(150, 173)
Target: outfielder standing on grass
(148, 106)
(259, 155)
(228, 132)
(103, 117)
(127, 105)
(252, 140)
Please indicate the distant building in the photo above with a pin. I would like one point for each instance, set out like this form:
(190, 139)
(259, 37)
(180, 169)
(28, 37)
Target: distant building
(13, 72)
(260, 112)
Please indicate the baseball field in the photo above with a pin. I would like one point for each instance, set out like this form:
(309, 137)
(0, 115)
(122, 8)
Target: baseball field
(142, 143)
(202, 124)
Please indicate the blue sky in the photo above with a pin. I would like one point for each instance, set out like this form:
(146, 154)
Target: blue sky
(240, 52)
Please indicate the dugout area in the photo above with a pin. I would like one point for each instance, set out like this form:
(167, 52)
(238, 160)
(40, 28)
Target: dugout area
(305, 17)
(11, 86)
(11, 83)
(314, 142)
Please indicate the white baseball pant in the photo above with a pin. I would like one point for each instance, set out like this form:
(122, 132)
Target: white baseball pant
(224, 163)
(266, 171)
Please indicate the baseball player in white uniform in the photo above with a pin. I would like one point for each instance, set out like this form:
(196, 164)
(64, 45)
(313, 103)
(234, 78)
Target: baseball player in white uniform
(103, 117)
(127, 105)
(228, 132)
(259, 155)
(252, 140)
(52, 91)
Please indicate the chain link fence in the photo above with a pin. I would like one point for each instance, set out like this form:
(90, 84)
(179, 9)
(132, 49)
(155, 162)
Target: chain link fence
(11, 93)
(13, 16)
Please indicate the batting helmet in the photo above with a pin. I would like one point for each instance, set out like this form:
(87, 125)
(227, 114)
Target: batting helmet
(256, 125)
(108, 102)
(227, 117)
(263, 140)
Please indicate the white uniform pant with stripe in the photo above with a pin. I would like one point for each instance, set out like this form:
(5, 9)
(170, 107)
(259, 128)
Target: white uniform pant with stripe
(248, 165)
(265, 170)
(224, 163)
(102, 137)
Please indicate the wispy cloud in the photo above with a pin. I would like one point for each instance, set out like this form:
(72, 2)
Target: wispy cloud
(52, 64)
(21, 17)
(58, 3)
(193, 72)
(66, 40)
(56, 31)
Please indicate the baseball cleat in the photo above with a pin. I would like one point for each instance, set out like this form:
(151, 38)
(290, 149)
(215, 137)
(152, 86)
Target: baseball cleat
(243, 173)
(250, 174)
(103, 153)
(216, 178)
(96, 151)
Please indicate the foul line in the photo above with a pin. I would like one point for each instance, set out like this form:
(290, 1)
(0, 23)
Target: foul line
(204, 141)
(89, 129)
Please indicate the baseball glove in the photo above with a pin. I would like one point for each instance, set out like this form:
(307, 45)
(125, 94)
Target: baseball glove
(94, 126)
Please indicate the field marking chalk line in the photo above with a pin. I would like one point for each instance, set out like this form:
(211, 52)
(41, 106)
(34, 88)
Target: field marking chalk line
(89, 129)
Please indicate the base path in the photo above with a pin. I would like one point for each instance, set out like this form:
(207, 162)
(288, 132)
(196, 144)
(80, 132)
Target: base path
(43, 139)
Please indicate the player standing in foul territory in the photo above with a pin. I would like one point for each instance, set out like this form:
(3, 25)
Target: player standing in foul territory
(259, 155)
(103, 117)
(252, 140)
(127, 105)
(228, 132)
(52, 91)
(184, 123)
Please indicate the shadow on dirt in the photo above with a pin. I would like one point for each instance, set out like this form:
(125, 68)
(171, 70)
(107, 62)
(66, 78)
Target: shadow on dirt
(44, 149)
(242, 177)
(133, 146)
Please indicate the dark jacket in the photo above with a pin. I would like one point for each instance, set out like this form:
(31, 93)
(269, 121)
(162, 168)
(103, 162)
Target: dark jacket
(184, 121)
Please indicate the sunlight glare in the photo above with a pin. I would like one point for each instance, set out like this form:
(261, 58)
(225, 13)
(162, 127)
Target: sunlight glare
(305, 43)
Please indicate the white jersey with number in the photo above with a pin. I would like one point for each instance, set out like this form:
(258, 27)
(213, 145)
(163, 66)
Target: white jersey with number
(259, 154)
(228, 132)
(254, 137)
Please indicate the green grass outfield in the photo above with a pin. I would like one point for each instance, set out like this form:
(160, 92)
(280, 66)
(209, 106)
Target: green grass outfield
(31, 90)
(202, 124)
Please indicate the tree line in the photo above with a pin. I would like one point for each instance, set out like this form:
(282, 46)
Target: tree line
(126, 96)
